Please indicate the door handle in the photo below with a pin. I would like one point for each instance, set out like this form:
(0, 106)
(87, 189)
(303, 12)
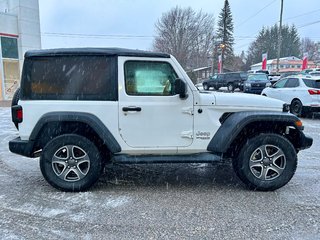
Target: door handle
(131, 109)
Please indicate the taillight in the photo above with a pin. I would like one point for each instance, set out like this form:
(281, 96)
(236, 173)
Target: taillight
(17, 114)
(313, 91)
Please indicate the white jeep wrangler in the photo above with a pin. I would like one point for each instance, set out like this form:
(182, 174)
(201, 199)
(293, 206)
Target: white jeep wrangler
(81, 108)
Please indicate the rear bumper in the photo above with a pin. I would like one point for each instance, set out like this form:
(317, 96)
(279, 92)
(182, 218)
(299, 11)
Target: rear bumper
(22, 147)
(308, 109)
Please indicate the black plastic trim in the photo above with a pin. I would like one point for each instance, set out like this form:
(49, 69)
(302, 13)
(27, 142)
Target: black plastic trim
(143, 159)
(94, 51)
(87, 118)
(234, 124)
(21, 147)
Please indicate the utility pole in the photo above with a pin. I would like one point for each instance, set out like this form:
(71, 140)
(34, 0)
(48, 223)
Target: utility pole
(279, 36)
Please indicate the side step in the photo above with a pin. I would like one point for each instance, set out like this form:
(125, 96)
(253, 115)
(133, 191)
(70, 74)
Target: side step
(193, 158)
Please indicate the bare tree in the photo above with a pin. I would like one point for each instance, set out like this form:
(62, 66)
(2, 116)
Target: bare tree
(310, 47)
(187, 35)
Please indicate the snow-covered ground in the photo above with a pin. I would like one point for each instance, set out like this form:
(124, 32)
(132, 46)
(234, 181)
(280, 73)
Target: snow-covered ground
(169, 201)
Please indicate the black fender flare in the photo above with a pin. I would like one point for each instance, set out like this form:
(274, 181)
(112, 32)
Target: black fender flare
(87, 118)
(235, 123)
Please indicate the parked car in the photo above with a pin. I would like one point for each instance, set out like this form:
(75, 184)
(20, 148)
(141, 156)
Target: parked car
(231, 80)
(77, 112)
(314, 73)
(301, 92)
(274, 77)
(287, 74)
(307, 71)
(256, 82)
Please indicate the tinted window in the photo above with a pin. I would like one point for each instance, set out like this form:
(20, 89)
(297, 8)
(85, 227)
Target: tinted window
(280, 83)
(70, 78)
(149, 78)
(232, 76)
(312, 83)
(292, 82)
(257, 77)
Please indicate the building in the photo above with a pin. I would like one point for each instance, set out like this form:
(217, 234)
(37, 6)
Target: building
(19, 32)
(286, 64)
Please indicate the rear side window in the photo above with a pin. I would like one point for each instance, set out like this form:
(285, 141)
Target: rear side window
(70, 78)
(292, 83)
(311, 83)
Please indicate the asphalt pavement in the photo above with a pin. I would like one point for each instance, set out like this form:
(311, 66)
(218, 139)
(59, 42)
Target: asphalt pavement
(168, 201)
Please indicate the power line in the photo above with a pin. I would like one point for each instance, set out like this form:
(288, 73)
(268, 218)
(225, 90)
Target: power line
(85, 35)
(303, 14)
(308, 24)
(256, 13)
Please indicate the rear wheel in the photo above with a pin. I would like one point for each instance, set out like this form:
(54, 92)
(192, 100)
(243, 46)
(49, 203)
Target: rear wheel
(205, 86)
(266, 162)
(296, 107)
(71, 162)
(230, 87)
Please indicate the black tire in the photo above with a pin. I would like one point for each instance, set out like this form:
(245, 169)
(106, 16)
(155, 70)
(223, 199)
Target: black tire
(14, 102)
(266, 162)
(230, 87)
(205, 86)
(296, 107)
(71, 172)
(216, 88)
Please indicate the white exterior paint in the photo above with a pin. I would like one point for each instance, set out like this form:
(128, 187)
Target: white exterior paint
(165, 125)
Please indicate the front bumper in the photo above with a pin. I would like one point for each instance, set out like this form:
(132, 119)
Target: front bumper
(305, 141)
(22, 147)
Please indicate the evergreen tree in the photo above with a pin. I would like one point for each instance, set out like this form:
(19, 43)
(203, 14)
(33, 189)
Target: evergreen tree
(224, 34)
(266, 42)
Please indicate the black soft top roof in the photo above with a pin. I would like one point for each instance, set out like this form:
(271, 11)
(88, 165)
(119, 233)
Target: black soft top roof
(93, 52)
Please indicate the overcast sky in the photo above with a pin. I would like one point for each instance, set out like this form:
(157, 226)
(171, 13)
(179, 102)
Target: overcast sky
(130, 23)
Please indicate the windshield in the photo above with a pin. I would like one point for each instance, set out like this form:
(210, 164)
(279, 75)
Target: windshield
(257, 77)
(312, 83)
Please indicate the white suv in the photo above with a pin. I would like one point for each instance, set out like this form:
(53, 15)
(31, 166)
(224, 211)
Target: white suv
(81, 108)
(301, 92)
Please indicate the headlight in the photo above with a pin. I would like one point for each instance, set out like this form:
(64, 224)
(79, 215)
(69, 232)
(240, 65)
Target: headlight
(247, 84)
(268, 84)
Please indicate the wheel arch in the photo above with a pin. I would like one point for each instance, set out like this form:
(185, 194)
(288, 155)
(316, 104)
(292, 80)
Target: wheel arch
(238, 127)
(54, 124)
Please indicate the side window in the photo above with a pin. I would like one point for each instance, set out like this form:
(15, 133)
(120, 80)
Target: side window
(149, 78)
(70, 78)
(281, 83)
(292, 83)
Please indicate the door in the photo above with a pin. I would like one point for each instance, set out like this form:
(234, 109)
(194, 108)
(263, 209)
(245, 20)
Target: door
(151, 115)
(278, 90)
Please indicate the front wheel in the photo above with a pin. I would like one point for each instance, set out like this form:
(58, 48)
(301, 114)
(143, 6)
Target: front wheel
(71, 163)
(205, 87)
(266, 162)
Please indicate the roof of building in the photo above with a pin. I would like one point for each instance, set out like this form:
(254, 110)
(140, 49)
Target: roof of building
(282, 60)
(94, 52)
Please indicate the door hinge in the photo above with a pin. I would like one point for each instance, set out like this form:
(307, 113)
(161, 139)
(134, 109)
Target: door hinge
(187, 134)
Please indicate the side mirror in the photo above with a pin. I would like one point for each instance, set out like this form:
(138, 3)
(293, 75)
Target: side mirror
(180, 88)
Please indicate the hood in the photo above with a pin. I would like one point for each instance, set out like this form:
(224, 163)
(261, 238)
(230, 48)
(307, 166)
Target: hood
(241, 101)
